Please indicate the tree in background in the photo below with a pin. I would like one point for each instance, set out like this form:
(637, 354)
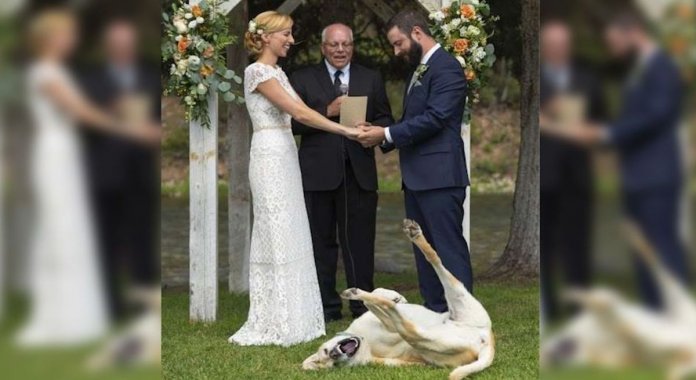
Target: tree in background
(521, 256)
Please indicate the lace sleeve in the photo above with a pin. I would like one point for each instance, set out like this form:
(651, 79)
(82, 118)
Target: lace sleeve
(256, 74)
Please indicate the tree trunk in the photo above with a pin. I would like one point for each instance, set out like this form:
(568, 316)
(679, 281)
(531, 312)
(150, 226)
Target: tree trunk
(521, 256)
(237, 157)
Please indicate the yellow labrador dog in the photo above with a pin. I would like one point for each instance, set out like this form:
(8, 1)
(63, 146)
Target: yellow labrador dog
(614, 332)
(394, 332)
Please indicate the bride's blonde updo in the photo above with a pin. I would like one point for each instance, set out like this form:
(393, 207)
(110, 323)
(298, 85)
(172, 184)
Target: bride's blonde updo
(268, 22)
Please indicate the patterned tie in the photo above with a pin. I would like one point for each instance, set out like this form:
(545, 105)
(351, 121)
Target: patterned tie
(337, 82)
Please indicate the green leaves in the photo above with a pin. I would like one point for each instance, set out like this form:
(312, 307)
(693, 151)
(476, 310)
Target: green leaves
(229, 97)
(224, 86)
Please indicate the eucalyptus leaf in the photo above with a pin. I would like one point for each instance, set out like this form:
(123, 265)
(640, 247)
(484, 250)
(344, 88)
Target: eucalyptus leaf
(229, 74)
(238, 80)
(229, 97)
(224, 86)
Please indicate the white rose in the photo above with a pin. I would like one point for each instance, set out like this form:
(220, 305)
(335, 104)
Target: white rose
(479, 54)
(454, 24)
(446, 29)
(192, 24)
(475, 2)
(474, 31)
(202, 88)
(200, 20)
(462, 31)
(181, 67)
(437, 16)
(177, 38)
(461, 60)
(188, 16)
(193, 60)
(188, 100)
(172, 69)
(180, 27)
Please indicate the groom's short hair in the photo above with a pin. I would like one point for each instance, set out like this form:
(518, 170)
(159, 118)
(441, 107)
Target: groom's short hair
(407, 20)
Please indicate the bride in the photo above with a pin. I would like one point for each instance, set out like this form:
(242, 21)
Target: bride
(285, 304)
(67, 302)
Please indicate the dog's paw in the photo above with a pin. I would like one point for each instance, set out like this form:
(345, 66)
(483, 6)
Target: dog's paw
(411, 229)
(350, 293)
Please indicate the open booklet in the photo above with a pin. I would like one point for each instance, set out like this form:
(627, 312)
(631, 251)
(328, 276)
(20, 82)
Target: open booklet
(353, 110)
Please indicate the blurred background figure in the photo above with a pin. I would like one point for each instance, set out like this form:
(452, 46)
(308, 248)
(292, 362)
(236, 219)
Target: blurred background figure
(645, 135)
(570, 93)
(123, 174)
(67, 302)
(643, 55)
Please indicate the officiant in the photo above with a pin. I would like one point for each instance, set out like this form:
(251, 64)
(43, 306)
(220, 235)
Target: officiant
(339, 176)
(124, 176)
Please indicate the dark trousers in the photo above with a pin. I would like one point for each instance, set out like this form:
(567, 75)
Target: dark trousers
(657, 214)
(565, 234)
(440, 213)
(127, 231)
(352, 212)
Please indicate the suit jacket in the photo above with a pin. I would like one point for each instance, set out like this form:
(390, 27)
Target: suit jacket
(431, 150)
(645, 133)
(114, 162)
(563, 164)
(322, 153)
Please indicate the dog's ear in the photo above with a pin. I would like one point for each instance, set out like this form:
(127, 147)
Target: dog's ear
(311, 363)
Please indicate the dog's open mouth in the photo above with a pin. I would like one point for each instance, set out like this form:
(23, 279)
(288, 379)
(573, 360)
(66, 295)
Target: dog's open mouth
(347, 347)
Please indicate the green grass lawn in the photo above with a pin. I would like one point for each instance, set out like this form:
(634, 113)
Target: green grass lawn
(52, 363)
(201, 351)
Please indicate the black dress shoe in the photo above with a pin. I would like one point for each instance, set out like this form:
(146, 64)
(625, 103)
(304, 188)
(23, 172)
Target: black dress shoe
(333, 316)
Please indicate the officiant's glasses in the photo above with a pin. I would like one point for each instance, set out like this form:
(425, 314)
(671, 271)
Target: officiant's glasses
(337, 46)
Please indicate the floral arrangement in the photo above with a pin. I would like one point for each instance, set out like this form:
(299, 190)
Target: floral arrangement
(193, 46)
(461, 29)
(679, 32)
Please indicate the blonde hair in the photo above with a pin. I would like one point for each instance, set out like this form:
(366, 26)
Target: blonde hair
(268, 22)
(46, 24)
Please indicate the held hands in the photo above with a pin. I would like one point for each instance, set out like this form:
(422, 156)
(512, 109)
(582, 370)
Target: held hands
(369, 135)
(582, 133)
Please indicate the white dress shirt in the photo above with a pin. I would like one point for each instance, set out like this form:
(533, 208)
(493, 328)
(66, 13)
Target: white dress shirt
(424, 60)
(345, 77)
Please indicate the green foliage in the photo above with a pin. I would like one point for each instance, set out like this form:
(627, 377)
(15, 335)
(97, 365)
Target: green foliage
(194, 43)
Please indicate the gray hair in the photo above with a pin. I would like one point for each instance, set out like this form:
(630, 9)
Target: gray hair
(323, 32)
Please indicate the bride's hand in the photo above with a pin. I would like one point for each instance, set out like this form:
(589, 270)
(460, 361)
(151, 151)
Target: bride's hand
(351, 133)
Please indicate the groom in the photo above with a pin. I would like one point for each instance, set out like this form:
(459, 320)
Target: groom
(431, 151)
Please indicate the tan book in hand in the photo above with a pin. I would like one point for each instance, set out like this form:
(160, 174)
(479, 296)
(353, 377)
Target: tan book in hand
(353, 110)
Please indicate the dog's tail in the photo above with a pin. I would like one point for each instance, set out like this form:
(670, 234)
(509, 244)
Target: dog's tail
(484, 360)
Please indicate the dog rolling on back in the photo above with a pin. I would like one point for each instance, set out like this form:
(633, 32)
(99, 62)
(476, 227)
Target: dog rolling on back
(397, 333)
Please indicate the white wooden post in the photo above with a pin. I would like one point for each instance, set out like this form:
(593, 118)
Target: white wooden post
(433, 5)
(203, 282)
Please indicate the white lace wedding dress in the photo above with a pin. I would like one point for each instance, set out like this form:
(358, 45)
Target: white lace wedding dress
(285, 303)
(66, 294)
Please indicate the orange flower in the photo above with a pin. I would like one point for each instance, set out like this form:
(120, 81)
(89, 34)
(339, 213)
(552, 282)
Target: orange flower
(208, 52)
(196, 10)
(183, 44)
(206, 70)
(678, 45)
(685, 12)
(467, 11)
(470, 74)
(460, 45)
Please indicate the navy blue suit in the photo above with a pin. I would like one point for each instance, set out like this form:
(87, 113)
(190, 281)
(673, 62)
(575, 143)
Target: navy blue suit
(645, 136)
(433, 169)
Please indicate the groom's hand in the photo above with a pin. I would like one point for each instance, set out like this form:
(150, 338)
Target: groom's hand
(370, 136)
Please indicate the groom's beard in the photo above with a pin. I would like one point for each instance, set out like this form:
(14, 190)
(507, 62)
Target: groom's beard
(415, 53)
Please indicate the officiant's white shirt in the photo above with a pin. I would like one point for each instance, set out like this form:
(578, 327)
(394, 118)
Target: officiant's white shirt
(423, 61)
(345, 78)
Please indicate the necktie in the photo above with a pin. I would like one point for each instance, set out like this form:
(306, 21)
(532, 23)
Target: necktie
(337, 82)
